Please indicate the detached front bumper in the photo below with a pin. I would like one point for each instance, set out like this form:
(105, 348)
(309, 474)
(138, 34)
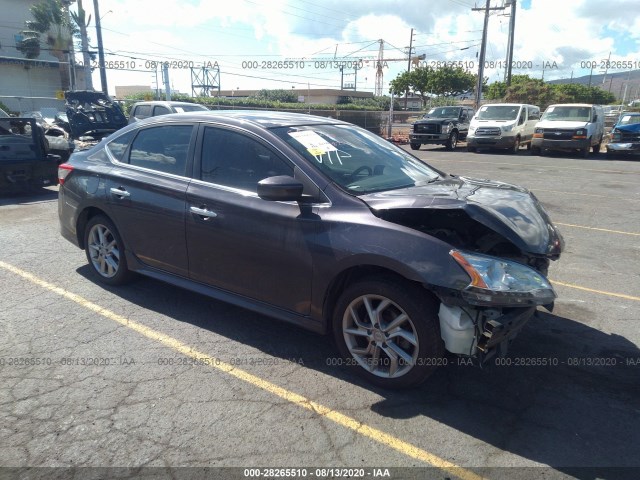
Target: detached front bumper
(624, 147)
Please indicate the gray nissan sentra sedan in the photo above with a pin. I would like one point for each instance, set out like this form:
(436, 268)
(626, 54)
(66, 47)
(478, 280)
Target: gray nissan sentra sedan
(319, 223)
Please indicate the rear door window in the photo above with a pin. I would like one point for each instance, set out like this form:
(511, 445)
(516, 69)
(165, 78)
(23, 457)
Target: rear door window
(142, 111)
(163, 148)
(160, 110)
(118, 146)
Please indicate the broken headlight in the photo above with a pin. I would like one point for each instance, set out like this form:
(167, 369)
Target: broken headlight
(495, 281)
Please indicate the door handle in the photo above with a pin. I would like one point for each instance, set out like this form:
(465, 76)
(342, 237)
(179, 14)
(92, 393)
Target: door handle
(203, 212)
(119, 192)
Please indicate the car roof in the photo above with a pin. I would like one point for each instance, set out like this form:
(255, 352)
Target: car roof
(575, 105)
(257, 118)
(166, 102)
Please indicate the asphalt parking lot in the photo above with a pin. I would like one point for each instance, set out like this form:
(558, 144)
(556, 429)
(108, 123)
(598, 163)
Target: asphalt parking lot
(150, 376)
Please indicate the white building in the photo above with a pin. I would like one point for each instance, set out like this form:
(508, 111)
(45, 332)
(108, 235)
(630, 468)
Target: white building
(28, 84)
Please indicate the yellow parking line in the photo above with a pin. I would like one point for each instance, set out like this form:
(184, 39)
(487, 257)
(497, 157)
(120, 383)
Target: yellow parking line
(601, 292)
(598, 229)
(343, 420)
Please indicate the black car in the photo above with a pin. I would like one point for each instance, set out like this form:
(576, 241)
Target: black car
(319, 223)
(441, 126)
(25, 161)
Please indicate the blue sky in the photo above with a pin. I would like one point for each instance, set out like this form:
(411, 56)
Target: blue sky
(247, 39)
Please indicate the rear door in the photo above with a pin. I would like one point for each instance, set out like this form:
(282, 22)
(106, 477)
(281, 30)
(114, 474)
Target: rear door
(147, 193)
(237, 241)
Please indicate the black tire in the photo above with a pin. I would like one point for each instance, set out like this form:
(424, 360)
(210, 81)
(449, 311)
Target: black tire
(105, 252)
(452, 143)
(584, 151)
(415, 146)
(516, 146)
(536, 151)
(471, 149)
(421, 324)
(596, 148)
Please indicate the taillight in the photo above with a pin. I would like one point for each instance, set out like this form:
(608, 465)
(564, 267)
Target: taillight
(64, 169)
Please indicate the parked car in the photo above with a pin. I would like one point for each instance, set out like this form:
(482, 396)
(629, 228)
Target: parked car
(625, 136)
(506, 126)
(24, 159)
(57, 137)
(320, 223)
(142, 110)
(441, 126)
(570, 127)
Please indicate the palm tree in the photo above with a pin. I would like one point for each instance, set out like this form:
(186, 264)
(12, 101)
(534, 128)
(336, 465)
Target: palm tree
(51, 21)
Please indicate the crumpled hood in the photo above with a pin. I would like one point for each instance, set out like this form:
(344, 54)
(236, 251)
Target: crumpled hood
(632, 128)
(509, 210)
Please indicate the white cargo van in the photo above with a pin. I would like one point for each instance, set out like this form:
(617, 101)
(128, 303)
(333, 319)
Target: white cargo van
(570, 126)
(503, 125)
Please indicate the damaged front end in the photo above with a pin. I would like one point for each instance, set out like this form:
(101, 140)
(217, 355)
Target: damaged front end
(91, 117)
(501, 237)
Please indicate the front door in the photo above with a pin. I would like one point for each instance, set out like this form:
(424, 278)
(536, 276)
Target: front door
(236, 240)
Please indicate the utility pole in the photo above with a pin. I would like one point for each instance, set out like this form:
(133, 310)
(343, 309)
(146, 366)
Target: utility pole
(512, 26)
(84, 41)
(483, 49)
(103, 72)
(406, 92)
(165, 78)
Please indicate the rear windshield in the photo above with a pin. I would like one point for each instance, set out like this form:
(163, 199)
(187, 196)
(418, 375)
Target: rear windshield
(189, 108)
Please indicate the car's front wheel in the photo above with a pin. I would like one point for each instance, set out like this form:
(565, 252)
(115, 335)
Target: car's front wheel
(415, 146)
(452, 143)
(388, 330)
(105, 251)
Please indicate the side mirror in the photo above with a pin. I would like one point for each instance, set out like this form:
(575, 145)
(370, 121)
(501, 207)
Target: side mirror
(281, 188)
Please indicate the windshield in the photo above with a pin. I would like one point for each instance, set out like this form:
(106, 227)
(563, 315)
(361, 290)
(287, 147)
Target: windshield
(189, 108)
(498, 112)
(568, 113)
(355, 159)
(443, 112)
(628, 120)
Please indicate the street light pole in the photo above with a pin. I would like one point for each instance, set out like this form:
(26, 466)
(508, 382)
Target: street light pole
(103, 72)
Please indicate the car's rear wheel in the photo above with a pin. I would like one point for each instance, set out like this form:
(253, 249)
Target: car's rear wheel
(388, 331)
(536, 151)
(415, 146)
(471, 149)
(105, 251)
